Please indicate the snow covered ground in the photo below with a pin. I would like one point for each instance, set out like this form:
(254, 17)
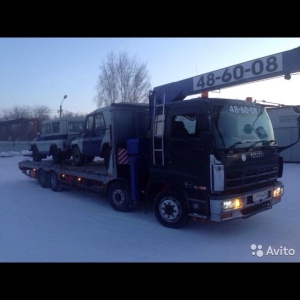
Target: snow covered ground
(39, 225)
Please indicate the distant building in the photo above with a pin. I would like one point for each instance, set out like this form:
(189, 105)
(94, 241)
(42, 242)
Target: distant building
(284, 120)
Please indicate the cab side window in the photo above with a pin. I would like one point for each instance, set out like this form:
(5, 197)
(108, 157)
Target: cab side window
(178, 129)
(99, 123)
(43, 129)
(183, 126)
(90, 122)
(55, 127)
(48, 129)
(75, 126)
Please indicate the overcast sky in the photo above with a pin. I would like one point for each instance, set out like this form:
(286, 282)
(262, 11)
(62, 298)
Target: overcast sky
(40, 71)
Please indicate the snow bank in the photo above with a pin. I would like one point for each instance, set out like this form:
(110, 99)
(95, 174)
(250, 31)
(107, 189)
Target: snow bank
(15, 153)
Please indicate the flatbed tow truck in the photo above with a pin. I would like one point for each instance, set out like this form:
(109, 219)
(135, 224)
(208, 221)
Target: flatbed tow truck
(205, 158)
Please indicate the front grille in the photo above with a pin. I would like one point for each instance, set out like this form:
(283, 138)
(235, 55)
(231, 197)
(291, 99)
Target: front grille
(252, 177)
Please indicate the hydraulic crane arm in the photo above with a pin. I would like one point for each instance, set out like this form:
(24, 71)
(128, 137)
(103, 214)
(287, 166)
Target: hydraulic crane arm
(280, 64)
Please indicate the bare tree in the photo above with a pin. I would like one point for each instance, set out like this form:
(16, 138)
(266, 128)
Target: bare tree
(122, 79)
(14, 126)
(42, 113)
(72, 114)
(17, 112)
(23, 122)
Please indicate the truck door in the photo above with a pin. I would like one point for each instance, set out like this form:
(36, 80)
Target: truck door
(186, 148)
(93, 135)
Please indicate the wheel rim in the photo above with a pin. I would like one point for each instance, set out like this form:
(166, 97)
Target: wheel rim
(118, 197)
(170, 209)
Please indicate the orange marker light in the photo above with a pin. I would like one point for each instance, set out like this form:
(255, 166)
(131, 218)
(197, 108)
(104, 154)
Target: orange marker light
(204, 94)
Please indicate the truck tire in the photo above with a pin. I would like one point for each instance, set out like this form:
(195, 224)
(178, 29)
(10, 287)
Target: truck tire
(55, 184)
(35, 154)
(43, 178)
(118, 197)
(170, 209)
(77, 157)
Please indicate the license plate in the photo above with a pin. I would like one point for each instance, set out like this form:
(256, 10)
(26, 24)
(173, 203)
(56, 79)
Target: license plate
(260, 195)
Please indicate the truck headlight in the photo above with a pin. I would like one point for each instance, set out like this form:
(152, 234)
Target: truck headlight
(232, 204)
(277, 192)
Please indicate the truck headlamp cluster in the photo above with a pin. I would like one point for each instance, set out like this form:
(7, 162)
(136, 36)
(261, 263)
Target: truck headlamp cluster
(277, 192)
(232, 204)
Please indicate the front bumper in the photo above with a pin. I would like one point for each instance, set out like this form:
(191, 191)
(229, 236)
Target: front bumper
(253, 202)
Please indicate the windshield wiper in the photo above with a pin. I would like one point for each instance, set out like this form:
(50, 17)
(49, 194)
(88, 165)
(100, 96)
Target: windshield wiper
(237, 143)
(263, 142)
(270, 142)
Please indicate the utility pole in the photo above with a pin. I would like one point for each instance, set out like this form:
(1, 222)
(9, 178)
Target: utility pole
(60, 109)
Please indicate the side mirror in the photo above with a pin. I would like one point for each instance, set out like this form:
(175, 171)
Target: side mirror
(261, 133)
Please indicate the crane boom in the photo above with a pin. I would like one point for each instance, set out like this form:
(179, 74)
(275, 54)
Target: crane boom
(271, 66)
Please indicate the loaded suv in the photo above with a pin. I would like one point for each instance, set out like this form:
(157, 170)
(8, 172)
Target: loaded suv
(106, 131)
(95, 138)
(55, 138)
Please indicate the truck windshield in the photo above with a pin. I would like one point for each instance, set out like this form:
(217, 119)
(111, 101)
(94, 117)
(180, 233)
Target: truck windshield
(241, 126)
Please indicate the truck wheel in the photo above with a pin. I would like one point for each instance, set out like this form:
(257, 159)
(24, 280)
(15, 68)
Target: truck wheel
(43, 178)
(170, 209)
(56, 155)
(119, 197)
(35, 154)
(55, 184)
(77, 156)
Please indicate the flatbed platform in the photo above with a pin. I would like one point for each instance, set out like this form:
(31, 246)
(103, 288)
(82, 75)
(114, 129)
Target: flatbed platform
(95, 170)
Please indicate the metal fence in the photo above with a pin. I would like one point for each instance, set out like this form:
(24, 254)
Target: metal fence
(14, 146)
